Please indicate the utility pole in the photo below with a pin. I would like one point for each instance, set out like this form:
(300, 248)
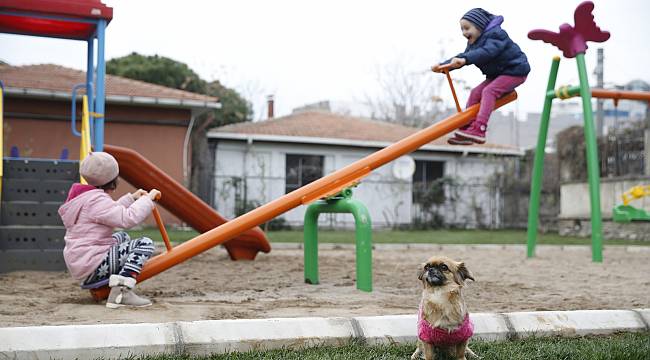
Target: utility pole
(600, 84)
(646, 144)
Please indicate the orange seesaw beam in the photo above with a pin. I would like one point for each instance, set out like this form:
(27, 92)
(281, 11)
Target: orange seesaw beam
(324, 186)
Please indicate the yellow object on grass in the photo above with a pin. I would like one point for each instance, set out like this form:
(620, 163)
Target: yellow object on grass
(636, 192)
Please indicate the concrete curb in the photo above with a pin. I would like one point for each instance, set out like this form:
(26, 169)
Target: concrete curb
(220, 336)
(440, 247)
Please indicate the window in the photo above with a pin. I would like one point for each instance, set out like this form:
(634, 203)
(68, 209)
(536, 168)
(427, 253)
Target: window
(424, 177)
(301, 170)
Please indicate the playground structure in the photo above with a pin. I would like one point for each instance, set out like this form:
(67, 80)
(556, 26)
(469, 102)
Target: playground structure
(41, 18)
(572, 41)
(240, 236)
(87, 21)
(326, 186)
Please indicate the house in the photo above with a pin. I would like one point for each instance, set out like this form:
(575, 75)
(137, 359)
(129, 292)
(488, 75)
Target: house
(151, 119)
(261, 161)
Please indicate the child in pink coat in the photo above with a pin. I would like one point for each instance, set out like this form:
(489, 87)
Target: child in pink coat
(92, 251)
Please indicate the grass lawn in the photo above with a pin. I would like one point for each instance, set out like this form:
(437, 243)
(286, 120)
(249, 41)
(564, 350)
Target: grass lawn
(402, 237)
(626, 346)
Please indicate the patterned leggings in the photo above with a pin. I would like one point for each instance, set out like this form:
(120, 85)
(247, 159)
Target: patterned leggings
(125, 258)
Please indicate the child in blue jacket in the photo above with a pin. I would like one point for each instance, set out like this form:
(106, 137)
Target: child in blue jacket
(502, 62)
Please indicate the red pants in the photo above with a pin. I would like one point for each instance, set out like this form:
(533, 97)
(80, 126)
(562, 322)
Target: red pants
(489, 91)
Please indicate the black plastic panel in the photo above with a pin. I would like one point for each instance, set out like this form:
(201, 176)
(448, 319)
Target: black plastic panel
(32, 237)
(30, 213)
(35, 190)
(40, 169)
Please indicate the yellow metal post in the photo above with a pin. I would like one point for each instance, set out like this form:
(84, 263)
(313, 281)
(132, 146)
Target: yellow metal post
(85, 134)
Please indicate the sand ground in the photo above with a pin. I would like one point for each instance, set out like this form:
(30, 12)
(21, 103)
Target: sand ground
(211, 286)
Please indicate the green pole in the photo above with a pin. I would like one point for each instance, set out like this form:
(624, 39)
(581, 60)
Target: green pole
(310, 234)
(363, 234)
(593, 170)
(538, 164)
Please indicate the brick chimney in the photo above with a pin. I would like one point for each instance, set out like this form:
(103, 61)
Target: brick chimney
(269, 103)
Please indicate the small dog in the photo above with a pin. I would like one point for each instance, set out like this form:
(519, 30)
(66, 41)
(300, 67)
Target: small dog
(443, 320)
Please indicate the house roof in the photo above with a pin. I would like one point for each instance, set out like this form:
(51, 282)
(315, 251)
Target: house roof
(48, 80)
(319, 127)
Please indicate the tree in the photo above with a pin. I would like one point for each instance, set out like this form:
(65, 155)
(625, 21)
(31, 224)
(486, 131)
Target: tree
(406, 97)
(171, 73)
(157, 70)
(234, 109)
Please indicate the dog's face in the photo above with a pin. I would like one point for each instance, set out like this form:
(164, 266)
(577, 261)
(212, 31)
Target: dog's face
(441, 270)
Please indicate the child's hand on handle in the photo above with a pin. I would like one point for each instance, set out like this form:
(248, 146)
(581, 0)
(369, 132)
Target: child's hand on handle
(136, 194)
(457, 62)
(454, 63)
(154, 194)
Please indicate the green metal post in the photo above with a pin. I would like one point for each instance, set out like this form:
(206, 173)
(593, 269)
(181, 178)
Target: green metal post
(363, 235)
(310, 234)
(593, 170)
(538, 164)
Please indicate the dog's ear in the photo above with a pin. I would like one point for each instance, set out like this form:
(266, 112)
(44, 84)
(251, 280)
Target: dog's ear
(421, 272)
(462, 274)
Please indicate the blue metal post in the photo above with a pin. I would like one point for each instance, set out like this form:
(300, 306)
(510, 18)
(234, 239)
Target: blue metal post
(90, 71)
(99, 99)
(73, 122)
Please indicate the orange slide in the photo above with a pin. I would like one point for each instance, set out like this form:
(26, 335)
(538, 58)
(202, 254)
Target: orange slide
(141, 173)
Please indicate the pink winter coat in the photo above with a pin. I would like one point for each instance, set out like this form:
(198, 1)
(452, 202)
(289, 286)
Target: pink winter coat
(90, 215)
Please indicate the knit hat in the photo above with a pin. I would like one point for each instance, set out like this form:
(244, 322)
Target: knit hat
(99, 168)
(478, 17)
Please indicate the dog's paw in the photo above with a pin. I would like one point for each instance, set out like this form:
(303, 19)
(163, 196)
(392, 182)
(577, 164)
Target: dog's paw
(471, 354)
(417, 354)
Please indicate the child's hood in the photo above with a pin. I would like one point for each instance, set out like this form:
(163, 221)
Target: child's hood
(70, 210)
(497, 20)
(77, 189)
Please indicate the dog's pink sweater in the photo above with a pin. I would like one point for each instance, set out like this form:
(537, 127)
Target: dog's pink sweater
(439, 336)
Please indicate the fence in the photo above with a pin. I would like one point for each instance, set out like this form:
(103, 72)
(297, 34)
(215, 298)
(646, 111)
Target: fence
(395, 204)
(622, 154)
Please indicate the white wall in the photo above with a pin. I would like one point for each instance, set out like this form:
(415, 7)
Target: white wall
(574, 197)
(387, 198)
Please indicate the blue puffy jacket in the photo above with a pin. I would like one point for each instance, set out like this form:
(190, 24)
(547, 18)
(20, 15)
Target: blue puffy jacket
(495, 53)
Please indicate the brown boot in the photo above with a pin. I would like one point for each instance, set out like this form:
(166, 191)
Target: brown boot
(122, 293)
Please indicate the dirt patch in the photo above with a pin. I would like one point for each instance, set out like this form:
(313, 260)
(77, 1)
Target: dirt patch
(211, 286)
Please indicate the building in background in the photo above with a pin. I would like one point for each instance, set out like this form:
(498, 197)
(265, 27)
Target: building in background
(259, 162)
(151, 119)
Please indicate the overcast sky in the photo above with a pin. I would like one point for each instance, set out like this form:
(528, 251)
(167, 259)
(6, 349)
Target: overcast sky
(310, 51)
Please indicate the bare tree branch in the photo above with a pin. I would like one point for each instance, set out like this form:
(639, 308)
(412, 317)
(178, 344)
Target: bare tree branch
(408, 97)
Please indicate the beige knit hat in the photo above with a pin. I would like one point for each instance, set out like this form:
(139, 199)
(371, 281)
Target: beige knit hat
(99, 168)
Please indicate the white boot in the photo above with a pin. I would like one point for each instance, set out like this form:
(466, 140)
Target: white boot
(122, 293)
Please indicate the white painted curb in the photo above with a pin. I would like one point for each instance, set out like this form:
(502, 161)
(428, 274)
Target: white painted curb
(221, 336)
(575, 323)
